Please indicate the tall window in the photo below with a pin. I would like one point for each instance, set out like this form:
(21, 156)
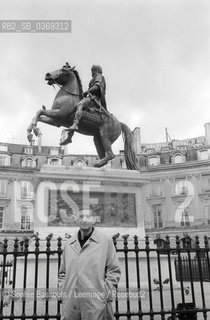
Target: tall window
(185, 218)
(1, 216)
(3, 185)
(206, 182)
(157, 214)
(26, 190)
(4, 160)
(181, 186)
(25, 218)
(207, 214)
(156, 188)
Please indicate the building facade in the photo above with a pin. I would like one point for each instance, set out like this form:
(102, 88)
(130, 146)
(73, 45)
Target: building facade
(177, 193)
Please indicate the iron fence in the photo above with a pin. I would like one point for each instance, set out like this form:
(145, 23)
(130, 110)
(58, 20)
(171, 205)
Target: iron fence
(156, 282)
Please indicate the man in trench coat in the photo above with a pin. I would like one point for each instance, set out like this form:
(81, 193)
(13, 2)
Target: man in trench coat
(89, 273)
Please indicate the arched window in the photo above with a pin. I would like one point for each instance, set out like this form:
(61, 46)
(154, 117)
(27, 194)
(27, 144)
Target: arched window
(178, 158)
(29, 162)
(153, 161)
(79, 163)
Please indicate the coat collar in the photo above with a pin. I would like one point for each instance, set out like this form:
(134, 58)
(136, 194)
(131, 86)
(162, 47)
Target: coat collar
(95, 236)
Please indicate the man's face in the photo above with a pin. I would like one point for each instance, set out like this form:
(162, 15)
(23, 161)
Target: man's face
(85, 220)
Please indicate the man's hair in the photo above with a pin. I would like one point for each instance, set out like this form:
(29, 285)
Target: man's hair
(85, 212)
(97, 67)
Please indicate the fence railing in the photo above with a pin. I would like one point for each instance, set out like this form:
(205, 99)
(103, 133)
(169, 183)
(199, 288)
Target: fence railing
(170, 282)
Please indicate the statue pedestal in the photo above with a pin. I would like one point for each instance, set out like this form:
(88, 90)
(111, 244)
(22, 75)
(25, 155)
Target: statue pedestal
(115, 196)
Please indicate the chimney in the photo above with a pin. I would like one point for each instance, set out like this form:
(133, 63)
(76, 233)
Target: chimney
(207, 133)
(137, 140)
(40, 143)
(65, 147)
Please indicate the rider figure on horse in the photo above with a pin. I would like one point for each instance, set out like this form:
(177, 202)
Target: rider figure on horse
(96, 92)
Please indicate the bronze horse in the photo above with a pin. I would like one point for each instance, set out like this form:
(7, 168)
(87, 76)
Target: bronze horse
(104, 131)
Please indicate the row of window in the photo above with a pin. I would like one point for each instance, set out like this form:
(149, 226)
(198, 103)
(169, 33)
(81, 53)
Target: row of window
(30, 150)
(184, 221)
(26, 217)
(26, 189)
(25, 220)
(31, 162)
(181, 186)
(155, 160)
(28, 162)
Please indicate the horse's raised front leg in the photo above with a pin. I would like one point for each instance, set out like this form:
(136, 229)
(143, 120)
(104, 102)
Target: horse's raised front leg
(46, 116)
(33, 125)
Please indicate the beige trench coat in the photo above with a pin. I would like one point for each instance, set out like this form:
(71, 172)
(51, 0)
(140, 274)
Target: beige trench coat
(89, 274)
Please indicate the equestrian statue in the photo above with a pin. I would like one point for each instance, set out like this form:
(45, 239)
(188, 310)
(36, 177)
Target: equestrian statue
(85, 113)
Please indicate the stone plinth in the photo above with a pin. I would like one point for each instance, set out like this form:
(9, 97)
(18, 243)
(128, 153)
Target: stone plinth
(115, 196)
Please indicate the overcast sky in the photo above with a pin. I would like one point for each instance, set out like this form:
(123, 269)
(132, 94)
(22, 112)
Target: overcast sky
(155, 56)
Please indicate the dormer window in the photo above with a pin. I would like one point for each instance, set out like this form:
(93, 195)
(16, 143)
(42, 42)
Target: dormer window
(28, 150)
(154, 161)
(54, 152)
(79, 163)
(178, 158)
(54, 161)
(29, 162)
(4, 148)
(203, 155)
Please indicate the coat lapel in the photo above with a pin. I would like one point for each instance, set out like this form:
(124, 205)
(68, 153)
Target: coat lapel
(74, 243)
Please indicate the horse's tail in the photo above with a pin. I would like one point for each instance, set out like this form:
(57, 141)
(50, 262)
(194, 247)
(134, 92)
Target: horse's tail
(130, 157)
